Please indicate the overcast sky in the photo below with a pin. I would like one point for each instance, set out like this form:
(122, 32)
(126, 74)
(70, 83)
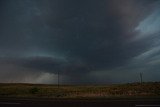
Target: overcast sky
(86, 41)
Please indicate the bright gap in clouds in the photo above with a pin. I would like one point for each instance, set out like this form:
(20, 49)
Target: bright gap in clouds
(150, 25)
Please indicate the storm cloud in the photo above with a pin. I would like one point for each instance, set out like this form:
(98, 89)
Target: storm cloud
(86, 41)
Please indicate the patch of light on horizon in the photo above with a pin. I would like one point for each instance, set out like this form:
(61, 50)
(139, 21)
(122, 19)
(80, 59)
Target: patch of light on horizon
(46, 78)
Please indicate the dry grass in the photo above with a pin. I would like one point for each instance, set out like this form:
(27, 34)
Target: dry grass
(52, 91)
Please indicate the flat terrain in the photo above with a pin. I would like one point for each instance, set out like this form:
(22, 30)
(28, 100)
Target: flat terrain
(79, 103)
(42, 95)
(131, 90)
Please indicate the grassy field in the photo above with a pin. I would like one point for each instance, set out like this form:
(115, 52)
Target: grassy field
(151, 89)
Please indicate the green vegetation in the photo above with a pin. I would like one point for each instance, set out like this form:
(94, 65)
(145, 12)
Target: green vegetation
(34, 90)
(52, 91)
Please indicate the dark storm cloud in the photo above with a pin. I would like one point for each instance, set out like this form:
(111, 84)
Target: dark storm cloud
(73, 37)
(99, 34)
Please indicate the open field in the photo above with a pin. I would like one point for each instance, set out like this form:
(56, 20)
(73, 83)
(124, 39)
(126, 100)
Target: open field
(133, 90)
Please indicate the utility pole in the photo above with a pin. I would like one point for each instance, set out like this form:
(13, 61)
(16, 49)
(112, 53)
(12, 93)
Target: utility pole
(58, 79)
(141, 75)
